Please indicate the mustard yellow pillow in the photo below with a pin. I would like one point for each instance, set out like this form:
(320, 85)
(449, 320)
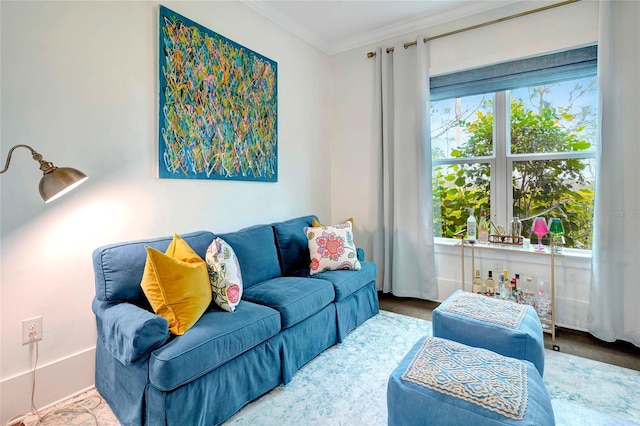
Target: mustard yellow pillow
(315, 223)
(176, 284)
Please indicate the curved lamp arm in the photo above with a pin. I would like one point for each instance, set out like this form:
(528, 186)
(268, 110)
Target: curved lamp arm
(55, 181)
(557, 206)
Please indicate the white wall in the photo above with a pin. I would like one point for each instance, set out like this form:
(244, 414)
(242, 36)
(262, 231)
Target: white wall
(355, 154)
(80, 84)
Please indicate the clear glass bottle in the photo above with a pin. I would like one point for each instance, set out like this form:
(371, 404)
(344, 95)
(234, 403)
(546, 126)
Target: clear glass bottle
(504, 288)
(472, 231)
(477, 284)
(483, 228)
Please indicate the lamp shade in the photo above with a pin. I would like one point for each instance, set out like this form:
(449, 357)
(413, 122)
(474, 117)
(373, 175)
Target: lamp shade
(56, 181)
(59, 181)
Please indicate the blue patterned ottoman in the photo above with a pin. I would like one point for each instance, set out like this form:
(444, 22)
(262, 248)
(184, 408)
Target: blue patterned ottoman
(501, 326)
(440, 382)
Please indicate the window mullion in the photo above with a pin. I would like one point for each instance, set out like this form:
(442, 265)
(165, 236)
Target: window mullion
(499, 177)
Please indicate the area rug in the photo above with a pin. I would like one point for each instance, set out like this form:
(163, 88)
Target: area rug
(347, 385)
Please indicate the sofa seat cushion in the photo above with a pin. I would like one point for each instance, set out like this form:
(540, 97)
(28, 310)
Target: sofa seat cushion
(296, 298)
(347, 282)
(215, 339)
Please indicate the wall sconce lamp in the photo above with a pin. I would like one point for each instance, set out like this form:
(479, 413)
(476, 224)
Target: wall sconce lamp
(56, 181)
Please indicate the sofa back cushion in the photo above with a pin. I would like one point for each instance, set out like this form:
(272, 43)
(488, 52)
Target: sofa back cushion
(255, 248)
(118, 268)
(293, 246)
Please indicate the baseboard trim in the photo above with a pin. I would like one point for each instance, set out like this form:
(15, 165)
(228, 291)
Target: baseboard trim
(55, 382)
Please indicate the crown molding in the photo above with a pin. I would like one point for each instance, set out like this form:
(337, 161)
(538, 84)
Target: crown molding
(286, 22)
(461, 11)
(418, 24)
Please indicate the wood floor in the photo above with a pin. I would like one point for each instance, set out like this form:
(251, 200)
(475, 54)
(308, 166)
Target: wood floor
(622, 354)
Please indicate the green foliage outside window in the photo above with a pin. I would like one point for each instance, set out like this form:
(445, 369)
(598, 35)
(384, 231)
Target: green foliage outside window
(537, 185)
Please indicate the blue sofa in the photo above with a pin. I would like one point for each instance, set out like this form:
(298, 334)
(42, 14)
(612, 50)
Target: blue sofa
(286, 318)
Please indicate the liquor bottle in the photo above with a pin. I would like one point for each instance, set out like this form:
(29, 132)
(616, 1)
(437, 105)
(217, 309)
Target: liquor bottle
(508, 289)
(471, 227)
(483, 228)
(477, 284)
(490, 285)
(502, 291)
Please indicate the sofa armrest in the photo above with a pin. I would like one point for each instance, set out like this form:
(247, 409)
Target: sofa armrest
(129, 332)
(360, 253)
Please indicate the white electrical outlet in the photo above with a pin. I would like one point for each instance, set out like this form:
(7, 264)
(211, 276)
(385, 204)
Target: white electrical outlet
(31, 330)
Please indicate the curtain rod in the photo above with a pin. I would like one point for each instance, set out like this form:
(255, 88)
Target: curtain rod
(484, 24)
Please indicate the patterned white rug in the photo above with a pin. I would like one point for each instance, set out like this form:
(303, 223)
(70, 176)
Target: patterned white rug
(347, 385)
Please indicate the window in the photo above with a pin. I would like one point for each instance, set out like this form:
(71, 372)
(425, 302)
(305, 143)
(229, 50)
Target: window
(517, 139)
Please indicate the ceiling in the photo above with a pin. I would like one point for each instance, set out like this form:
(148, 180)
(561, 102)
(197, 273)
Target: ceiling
(335, 26)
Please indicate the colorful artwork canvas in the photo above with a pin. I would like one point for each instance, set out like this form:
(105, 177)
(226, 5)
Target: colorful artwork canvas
(218, 106)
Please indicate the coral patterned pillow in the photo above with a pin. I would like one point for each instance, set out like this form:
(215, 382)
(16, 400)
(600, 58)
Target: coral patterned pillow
(332, 248)
(224, 275)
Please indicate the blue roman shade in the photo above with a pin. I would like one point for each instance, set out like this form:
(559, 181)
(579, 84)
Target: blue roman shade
(545, 69)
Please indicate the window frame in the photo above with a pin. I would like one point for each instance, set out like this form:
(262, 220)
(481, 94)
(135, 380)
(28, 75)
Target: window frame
(501, 162)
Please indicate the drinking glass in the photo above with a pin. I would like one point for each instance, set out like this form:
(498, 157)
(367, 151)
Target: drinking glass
(540, 229)
(556, 229)
(542, 303)
(529, 292)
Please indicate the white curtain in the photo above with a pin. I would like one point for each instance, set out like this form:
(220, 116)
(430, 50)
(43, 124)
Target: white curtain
(614, 310)
(403, 247)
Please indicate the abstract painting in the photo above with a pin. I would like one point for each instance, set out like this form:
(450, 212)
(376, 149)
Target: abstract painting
(218, 106)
